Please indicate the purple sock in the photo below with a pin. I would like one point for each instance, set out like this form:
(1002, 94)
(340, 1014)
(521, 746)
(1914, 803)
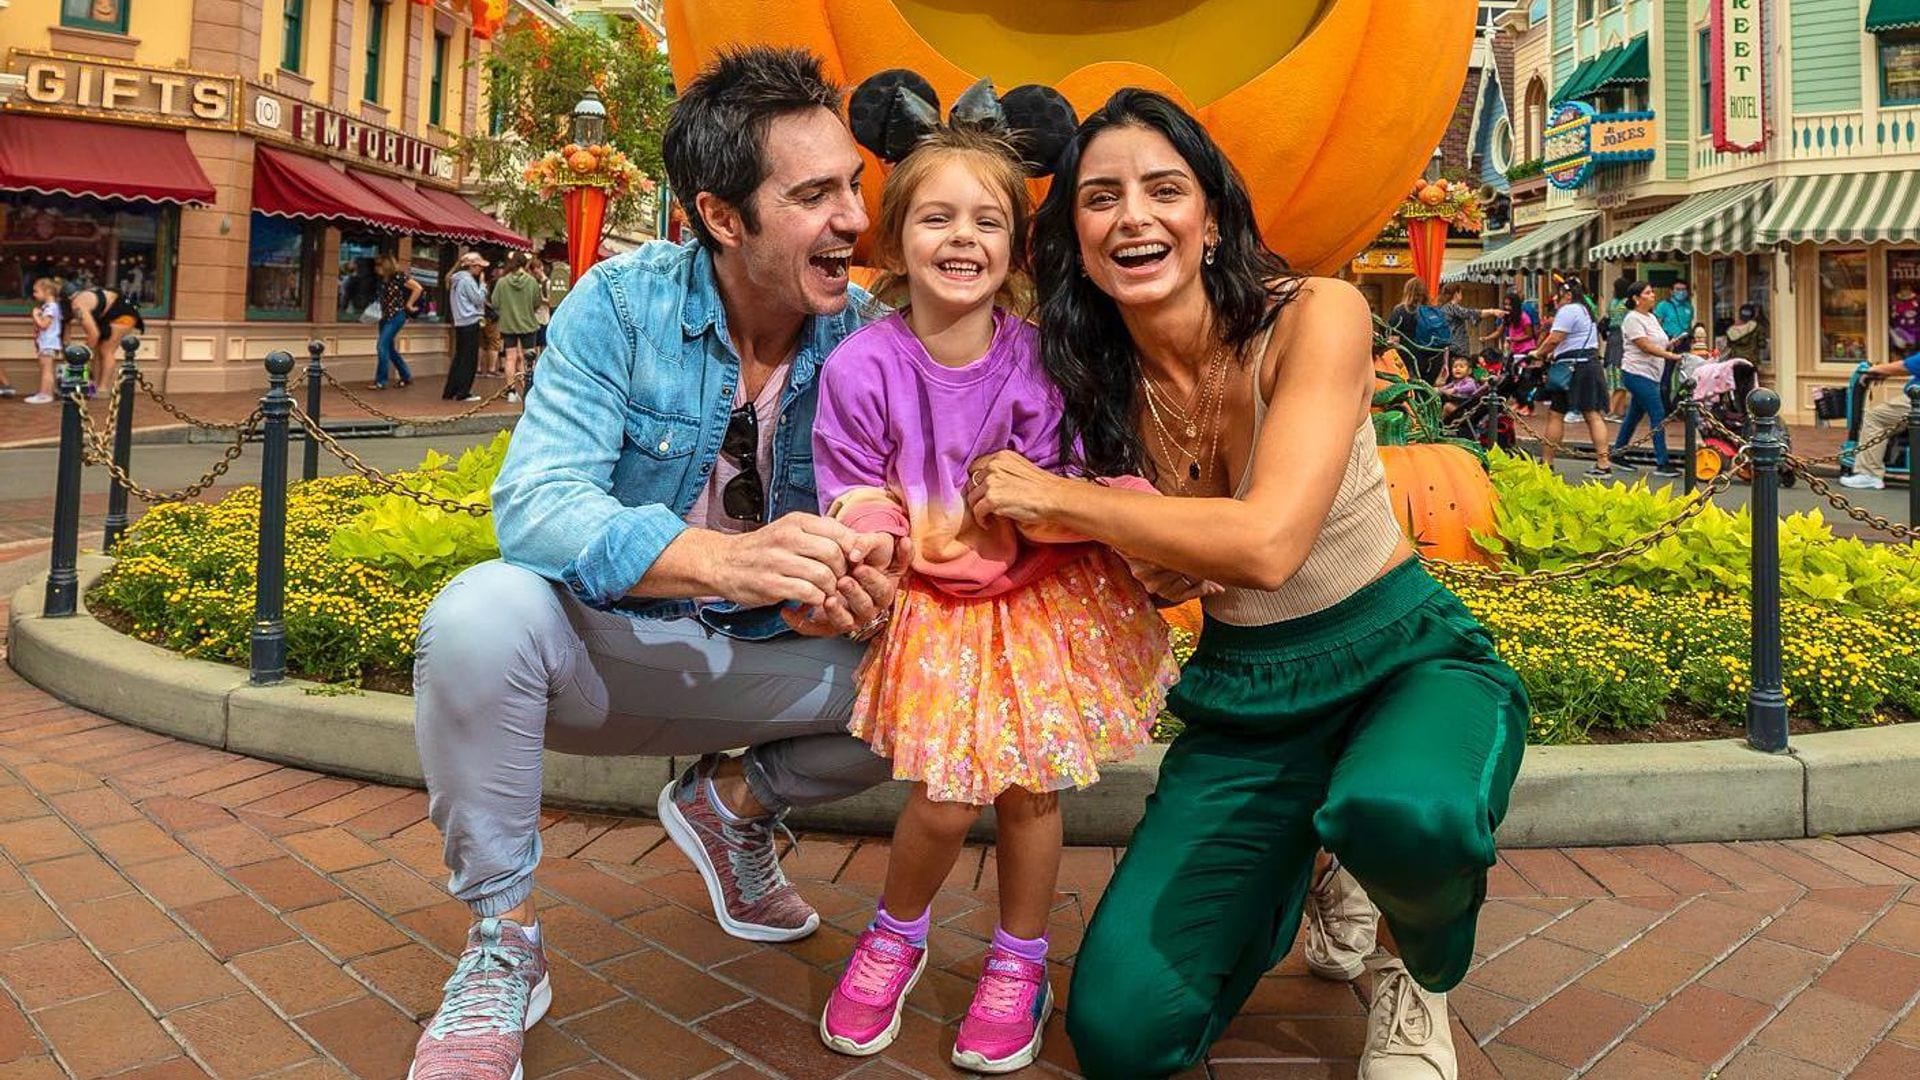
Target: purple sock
(1030, 949)
(914, 930)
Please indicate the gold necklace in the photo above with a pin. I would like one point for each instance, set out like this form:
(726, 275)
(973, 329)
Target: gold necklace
(1202, 421)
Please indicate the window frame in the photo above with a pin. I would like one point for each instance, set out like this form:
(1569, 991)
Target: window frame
(437, 88)
(166, 254)
(374, 50)
(1883, 43)
(1705, 82)
(309, 255)
(293, 45)
(86, 22)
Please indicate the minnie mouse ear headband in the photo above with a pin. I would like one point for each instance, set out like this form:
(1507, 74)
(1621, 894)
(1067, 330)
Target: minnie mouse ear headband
(892, 111)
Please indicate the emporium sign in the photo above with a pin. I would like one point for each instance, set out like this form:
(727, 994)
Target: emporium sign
(1737, 42)
(341, 136)
(1578, 139)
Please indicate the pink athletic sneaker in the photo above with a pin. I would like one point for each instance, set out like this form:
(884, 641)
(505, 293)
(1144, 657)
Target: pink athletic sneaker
(752, 898)
(863, 1015)
(498, 990)
(1002, 1031)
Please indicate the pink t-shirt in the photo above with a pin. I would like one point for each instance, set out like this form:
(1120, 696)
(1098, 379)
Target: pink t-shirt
(709, 510)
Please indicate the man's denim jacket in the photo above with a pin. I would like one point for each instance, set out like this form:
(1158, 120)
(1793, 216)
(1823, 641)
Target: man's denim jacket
(634, 392)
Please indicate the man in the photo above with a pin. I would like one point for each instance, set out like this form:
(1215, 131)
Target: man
(1870, 465)
(656, 518)
(467, 297)
(1675, 314)
(515, 296)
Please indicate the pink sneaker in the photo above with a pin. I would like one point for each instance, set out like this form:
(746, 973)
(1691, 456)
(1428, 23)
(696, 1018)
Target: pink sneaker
(1002, 1031)
(752, 898)
(498, 990)
(863, 1015)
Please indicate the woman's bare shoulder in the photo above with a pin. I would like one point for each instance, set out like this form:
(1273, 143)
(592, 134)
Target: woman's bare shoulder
(1322, 311)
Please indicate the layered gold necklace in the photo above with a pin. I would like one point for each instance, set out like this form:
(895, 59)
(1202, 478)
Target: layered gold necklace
(1182, 430)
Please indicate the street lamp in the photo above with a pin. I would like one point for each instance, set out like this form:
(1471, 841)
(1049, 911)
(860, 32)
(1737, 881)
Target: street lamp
(589, 119)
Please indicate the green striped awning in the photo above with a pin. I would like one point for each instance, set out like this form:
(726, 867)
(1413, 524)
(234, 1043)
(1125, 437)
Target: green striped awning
(1884, 15)
(1845, 208)
(1581, 82)
(1617, 66)
(1711, 223)
(1556, 245)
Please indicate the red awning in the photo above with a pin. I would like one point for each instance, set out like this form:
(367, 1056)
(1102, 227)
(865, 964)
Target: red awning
(471, 217)
(51, 156)
(288, 185)
(436, 222)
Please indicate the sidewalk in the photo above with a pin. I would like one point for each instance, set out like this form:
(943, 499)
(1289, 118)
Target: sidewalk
(23, 424)
(176, 911)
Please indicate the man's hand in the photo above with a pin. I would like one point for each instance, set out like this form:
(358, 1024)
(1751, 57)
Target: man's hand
(862, 598)
(798, 559)
(1170, 585)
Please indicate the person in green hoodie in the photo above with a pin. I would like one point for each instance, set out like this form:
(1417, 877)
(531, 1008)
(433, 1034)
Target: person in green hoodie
(515, 296)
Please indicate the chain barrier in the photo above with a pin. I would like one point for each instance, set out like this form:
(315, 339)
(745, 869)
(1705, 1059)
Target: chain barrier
(1695, 505)
(179, 413)
(375, 476)
(97, 449)
(418, 421)
(1820, 487)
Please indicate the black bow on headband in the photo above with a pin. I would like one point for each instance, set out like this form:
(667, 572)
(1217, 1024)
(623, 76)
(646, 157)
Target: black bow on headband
(891, 111)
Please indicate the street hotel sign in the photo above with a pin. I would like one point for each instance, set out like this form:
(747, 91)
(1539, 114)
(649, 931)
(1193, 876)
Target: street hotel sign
(344, 137)
(1738, 43)
(102, 89)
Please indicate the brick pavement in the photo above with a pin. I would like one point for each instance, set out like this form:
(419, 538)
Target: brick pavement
(176, 911)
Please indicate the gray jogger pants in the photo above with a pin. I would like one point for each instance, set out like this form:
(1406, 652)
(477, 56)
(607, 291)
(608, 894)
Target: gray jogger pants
(510, 665)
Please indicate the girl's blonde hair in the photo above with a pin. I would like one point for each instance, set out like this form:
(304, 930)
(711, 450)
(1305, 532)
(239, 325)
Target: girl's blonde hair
(995, 162)
(1414, 293)
(386, 265)
(48, 284)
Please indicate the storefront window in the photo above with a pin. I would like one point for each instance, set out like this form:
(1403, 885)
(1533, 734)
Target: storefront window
(1903, 303)
(107, 15)
(278, 254)
(1760, 296)
(128, 247)
(429, 267)
(1725, 303)
(359, 282)
(1900, 68)
(1843, 307)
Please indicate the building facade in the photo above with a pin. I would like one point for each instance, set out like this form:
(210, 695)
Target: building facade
(235, 167)
(1769, 153)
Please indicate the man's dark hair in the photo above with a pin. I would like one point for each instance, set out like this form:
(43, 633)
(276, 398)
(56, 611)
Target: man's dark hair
(716, 138)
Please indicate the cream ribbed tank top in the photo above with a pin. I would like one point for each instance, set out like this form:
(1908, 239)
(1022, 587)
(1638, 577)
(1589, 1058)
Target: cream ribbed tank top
(1353, 547)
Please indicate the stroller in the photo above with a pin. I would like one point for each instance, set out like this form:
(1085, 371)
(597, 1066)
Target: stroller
(1472, 416)
(1720, 388)
(1898, 448)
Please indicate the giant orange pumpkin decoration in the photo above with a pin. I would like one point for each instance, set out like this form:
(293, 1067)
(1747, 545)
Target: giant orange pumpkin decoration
(1442, 496)
(1291, 89)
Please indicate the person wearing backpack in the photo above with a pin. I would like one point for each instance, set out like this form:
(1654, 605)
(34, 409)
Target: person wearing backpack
(1420, 332)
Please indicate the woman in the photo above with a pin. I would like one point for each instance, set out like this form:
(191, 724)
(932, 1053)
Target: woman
(399, 299)
(104, 317)
(1522, 333)
(515, 298)
(1746, 336)
(1576, 381)
(1643, 357)
(1339, 697)
(1420, 332)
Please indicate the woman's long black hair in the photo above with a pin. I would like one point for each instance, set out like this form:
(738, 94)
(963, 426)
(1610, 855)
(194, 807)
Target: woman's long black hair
(1084, 344)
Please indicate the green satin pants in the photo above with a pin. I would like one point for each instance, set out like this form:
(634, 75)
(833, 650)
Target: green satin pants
(1384, 729)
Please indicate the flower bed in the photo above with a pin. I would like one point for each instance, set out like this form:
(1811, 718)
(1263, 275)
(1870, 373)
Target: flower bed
(1629, 649)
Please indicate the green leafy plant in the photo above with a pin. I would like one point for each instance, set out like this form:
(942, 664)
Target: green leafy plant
(415, 545)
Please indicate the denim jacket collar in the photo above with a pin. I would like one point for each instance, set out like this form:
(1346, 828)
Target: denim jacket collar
(704, 311)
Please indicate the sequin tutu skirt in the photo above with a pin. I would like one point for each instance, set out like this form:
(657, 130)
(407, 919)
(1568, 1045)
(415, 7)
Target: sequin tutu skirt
(1034, 688)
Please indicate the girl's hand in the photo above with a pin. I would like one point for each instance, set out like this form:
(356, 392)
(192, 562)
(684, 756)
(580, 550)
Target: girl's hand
(1004, 484)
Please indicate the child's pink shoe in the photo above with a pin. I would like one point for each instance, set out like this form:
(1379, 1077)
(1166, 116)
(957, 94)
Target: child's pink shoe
(863, 1015)
(1001, 1033)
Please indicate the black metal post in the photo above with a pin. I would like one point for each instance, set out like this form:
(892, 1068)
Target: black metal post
(310, 468)
(1913, 452)
(270, 574)
(1690, 411)
(63, 577)
(122, 442)
(1767, 702)
(1496, 411)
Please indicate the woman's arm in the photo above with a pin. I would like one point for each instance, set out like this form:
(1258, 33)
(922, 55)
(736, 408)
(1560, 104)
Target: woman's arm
(414, 290)
(1546, 346)
(1318, 400)
(1647, 346)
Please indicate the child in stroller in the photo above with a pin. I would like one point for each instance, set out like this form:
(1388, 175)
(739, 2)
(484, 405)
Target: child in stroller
(1720, 389)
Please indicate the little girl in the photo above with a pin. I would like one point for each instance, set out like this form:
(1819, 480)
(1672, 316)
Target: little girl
(1012, 666)
(1460, 386)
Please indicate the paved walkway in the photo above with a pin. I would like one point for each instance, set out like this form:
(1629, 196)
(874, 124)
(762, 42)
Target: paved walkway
(175, 911)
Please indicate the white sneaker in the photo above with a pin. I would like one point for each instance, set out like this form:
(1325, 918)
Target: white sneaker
(471, 397)
(1576, 418)
(1863, 481)
(1408, 1037)
(1342, 927)
(40, 399)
